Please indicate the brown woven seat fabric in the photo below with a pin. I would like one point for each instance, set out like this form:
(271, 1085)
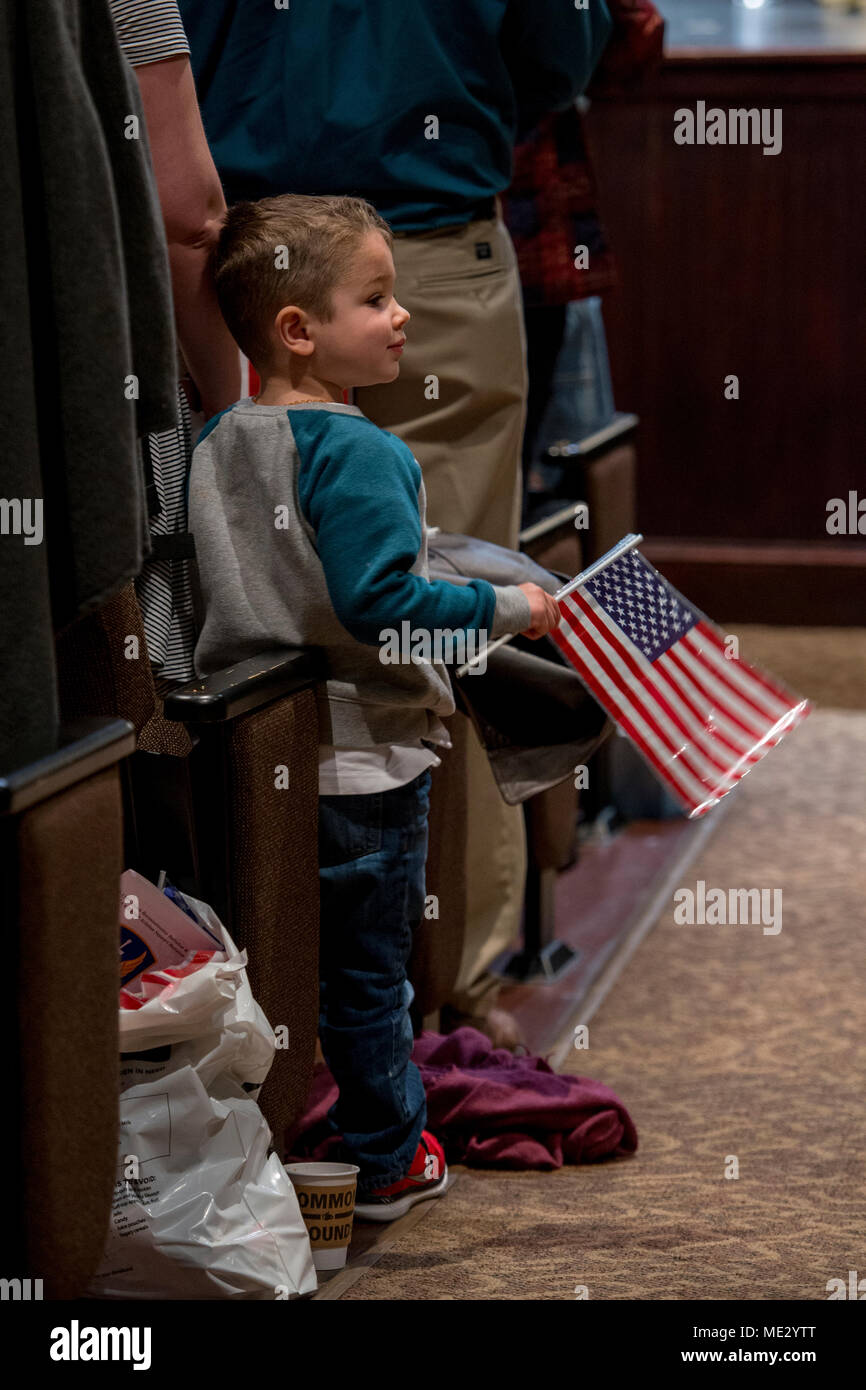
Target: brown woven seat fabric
(66, 857)
(438, 945)
(611, 495)
(274, 873)
(95, 676)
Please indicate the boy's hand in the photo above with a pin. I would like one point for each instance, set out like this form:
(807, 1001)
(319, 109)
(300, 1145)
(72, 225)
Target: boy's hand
(544, 611)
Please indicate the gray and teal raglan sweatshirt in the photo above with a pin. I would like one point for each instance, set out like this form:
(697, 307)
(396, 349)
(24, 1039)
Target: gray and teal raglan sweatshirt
(309, 531)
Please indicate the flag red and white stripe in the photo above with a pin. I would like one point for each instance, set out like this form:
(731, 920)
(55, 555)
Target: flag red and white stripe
(700, 716)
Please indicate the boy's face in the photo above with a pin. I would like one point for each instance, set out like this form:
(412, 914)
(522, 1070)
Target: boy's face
(363, 343)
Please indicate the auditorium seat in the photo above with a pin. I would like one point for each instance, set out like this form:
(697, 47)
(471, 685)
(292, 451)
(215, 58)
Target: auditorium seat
(593, 508)
(61, 855)
(201, 801)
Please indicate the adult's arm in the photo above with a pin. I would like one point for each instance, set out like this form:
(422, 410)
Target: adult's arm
(551, 49)
(192, 207)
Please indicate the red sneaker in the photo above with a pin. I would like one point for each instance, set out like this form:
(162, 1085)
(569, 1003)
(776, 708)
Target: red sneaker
(428, 1177)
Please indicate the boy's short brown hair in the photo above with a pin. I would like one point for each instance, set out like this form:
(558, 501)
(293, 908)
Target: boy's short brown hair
(291, 249)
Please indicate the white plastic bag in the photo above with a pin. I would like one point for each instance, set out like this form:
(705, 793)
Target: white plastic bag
(200, 1211)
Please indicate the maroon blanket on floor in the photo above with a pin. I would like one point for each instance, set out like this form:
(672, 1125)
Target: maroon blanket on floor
(490, 1109)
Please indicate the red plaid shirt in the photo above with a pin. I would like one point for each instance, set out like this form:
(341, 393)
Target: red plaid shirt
(551, 207)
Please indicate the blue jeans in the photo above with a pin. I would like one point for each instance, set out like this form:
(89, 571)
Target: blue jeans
(372, 857)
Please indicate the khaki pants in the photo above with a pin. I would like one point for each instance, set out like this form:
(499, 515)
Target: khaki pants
(460, 400)
(460, 404)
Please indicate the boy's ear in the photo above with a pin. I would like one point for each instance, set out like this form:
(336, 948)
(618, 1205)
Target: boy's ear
(290, 325)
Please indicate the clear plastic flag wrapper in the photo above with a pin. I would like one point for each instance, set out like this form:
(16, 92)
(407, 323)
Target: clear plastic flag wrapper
(667, 676)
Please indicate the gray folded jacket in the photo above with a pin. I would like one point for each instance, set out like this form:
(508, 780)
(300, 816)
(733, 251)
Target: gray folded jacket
(533, 715)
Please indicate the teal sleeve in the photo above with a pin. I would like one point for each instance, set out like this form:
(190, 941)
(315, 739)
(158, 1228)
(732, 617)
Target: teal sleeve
(358, 488)
(551, 49)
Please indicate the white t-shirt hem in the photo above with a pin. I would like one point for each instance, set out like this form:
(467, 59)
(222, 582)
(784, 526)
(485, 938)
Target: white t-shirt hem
(380, 768)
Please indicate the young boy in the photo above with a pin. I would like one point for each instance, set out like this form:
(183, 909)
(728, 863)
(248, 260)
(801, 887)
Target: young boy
(309, 529)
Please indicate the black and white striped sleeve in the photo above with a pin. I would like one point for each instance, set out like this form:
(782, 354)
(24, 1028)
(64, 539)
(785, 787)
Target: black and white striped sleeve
(149, 30)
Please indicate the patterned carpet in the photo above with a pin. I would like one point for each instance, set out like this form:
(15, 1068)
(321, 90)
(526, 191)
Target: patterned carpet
(826, 664)
(722, 1041)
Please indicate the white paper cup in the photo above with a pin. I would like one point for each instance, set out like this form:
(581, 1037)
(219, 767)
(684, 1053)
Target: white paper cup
(326, 1197)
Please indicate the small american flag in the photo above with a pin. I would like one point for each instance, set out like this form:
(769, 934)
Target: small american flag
(700, 718)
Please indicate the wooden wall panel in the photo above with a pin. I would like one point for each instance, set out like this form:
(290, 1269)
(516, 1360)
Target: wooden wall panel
(732, 261)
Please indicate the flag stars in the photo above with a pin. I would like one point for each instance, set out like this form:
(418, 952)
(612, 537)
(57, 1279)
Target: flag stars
(642, 604)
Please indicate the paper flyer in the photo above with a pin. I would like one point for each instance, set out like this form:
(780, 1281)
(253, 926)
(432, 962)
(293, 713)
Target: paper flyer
(154, 933)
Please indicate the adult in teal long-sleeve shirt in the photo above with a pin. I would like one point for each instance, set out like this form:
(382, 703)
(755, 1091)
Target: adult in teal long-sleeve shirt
(415, 105)
(335, 96)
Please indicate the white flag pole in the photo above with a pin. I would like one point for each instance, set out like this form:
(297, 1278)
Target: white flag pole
(615, 553)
